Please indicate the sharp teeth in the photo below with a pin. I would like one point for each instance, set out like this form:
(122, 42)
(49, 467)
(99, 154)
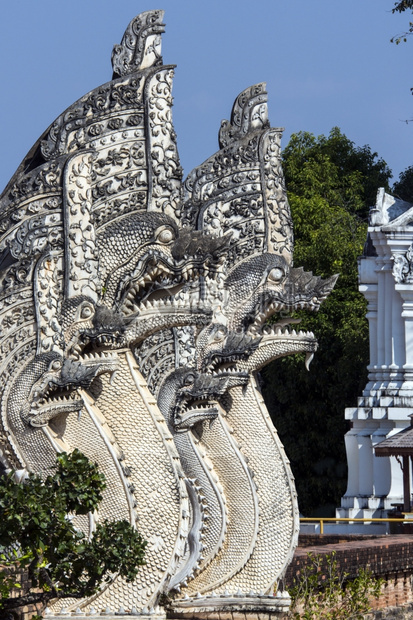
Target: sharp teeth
(308, 359)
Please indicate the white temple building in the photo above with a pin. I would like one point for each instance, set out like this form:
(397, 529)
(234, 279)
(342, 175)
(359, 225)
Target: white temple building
(386, 281)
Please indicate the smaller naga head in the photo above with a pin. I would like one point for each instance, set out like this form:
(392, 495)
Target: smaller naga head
(55, 389)
(259, 288)
(107, 329)
(264, 285)
(197, 395)
(217, 346)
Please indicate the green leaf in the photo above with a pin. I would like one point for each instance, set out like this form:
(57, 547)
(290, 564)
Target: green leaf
(36, 534)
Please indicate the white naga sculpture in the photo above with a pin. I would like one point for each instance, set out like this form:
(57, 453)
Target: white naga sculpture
(134, 315)
(386, 281)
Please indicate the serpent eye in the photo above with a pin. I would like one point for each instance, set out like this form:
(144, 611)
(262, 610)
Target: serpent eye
(276, 274)
(219, 335)
(56, 365)
(165, 235)
(189, 379)
(86, 312)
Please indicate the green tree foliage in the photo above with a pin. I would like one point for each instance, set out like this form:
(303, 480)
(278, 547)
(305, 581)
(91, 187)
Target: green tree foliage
(334, 169)
(324, 592)
(37, 534)
(331, 184)
(403, 188)
(401, 7)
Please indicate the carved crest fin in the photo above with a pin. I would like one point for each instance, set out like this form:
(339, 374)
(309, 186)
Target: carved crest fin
(140, 47)
(241, 187)
(249, 113)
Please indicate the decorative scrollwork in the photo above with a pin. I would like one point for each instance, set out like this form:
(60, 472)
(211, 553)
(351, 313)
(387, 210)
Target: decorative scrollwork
(403, 266)
(141, 44)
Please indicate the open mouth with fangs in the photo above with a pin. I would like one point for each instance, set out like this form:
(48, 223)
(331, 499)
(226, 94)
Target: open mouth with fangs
(238, 346)
(158, 283)
(54, 395)
(279, 339)
(158, 291)
(102, 339)
(156, 276)
(277, 336)
(193, 408)
(65, 400)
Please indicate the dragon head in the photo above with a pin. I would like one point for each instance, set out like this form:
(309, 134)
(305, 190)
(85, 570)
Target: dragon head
(55, 390)
(146, 253)
(197, 395)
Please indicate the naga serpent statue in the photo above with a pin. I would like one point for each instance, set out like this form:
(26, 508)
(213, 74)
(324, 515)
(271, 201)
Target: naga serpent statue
(135, 314)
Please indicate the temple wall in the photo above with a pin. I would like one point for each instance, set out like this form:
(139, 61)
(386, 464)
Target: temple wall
(386, 557)
(386, 281)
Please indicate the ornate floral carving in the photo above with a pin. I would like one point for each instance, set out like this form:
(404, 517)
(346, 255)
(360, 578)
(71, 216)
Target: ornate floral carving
(403, 266)
(141, 44)
(165, 169)
(81, 268)
(95, 115)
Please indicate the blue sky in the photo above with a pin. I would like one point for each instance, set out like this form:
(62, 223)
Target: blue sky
(325, 62)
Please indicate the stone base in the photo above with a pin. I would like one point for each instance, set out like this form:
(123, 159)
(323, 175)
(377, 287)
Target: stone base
(363, 507)
(108, 614)
(231, 607)
(235, 615)
(219, 607)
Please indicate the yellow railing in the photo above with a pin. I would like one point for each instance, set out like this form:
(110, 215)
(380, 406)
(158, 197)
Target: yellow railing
(321, 520)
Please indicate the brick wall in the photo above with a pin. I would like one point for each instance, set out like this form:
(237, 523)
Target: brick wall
(314, 540)
(26, 612)
(388, 557)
